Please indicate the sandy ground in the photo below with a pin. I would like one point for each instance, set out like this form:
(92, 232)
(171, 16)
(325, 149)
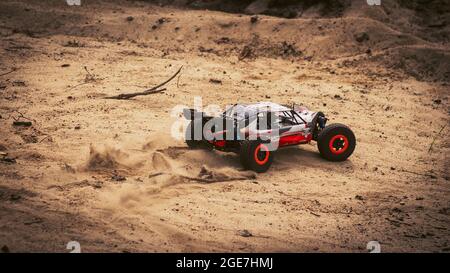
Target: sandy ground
(106, 173)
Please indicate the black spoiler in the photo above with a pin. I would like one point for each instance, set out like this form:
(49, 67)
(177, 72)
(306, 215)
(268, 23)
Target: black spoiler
(191, 114)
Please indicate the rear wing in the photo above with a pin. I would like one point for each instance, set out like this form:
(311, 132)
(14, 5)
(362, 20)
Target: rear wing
(193, 114)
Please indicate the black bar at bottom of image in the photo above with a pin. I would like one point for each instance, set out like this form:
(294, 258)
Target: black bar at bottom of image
(223, 262)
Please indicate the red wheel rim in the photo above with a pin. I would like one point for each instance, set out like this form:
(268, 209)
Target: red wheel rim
(338, 144)
(261, 154)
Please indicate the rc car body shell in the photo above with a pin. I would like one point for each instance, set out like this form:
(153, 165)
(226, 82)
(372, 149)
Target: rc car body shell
(285, 126)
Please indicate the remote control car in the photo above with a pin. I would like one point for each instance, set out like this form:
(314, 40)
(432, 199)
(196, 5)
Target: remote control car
(256, 131)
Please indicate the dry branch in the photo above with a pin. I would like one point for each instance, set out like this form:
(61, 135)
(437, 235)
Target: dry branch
(212, 180)
(19, 118)
(22, 123)
(6, 73)
(422, 174)
(88, 78)
(127, 96)
(205, 180)
(434, 139)
(153, 90)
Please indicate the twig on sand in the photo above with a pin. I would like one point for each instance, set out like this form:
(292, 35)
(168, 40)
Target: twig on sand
(315, 214)
(72, 87)
(155, 174)
(204, 180)
(46, 137)
(89, 73)
(132, 95)
(434, 139)
(153, 90)
(88, 78)
(21, 116)
(416, 173)
(91, 77)
(213, 180)
(178, 81)
(22, 123)
(6, 73)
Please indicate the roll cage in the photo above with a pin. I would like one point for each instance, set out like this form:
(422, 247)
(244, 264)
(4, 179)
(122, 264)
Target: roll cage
(285, 115)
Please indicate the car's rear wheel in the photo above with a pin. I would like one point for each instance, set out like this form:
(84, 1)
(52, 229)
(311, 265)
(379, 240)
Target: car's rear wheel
(336, 142)
(189, 137)
(191, 142)
(256, 156)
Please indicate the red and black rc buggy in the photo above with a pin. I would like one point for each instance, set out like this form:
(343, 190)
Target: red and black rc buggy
(256, 131)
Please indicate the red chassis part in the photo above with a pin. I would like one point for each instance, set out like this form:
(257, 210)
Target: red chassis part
(294, 139)
(286, 140)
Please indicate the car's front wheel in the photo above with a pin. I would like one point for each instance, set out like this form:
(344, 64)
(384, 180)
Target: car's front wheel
(256, 155)
(336, 142)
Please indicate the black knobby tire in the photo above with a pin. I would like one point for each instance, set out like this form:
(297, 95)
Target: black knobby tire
(256, 156)
(243, 154)
(336, 142)
(195, 144)
(189, 137)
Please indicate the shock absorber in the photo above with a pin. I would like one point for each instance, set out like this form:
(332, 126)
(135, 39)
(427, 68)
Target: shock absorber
(322, 120)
